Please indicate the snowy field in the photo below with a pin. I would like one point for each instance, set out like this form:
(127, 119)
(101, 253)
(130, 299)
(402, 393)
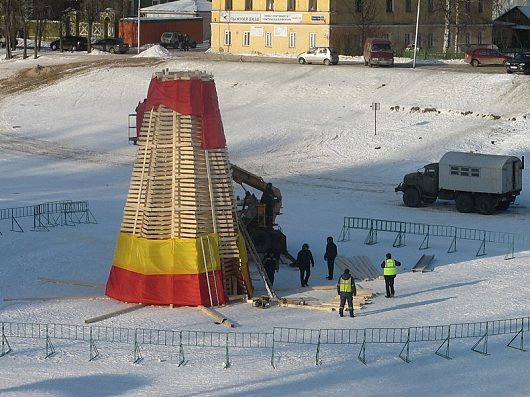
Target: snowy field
(310, 131)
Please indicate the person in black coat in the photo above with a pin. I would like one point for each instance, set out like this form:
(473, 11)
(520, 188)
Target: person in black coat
(271, 266)
(346, 290)
(329, 256)
(269, 200)
(305, 262)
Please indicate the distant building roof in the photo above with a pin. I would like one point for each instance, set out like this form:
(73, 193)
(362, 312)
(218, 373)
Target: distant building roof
(178, 7)
(525, 10)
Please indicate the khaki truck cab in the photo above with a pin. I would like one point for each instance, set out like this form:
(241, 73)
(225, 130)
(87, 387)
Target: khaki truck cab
(476, 182)
(378, 52)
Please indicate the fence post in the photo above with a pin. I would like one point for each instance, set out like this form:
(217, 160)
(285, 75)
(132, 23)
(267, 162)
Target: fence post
(137, 353)
(318, 360)
(226, 364)
(181, 350)
(50, 350)
(446, 341)
(521, 332)
(272, 354)
(406, 348)
(362, 353)
(4, 343)
(482, 249)
(484, 339)
(93, 349)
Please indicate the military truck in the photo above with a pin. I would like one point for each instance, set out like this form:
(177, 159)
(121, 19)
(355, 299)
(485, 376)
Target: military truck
(476, 182)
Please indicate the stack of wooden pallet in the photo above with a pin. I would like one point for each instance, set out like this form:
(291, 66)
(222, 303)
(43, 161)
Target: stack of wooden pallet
(179, 190)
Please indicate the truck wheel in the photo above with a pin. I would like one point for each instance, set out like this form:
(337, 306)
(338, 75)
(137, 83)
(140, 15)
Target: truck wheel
(411, 197)
(503, 205)
(485, 205)
(464, 202)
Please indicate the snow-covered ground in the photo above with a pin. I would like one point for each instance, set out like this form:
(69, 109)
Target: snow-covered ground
(310, 131)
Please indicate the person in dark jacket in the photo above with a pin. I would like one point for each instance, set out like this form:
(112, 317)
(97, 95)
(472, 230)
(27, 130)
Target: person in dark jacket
(346, 290)
(389, 267)
(271, 266)
(305, 261)
(269, 200)
(329, 256)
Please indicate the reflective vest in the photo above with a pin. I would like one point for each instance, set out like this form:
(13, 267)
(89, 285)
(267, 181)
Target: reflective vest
(345, 285)
(390, 268)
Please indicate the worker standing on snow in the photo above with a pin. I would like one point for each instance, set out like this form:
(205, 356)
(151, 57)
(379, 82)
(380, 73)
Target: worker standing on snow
(346, 290)
(389, 267)
(271, 266)
(269, 200)
(305, 261)
(329, 256)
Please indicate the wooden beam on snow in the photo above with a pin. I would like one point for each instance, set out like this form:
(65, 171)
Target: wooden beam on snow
(71, 282)
(218, 317)
(115, 313)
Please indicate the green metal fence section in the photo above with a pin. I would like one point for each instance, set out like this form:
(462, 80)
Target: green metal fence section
(49, 214)
(427, 231)
(280, 337)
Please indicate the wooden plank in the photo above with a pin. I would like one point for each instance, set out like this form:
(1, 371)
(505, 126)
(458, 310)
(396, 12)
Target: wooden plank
(423, 264)
(114, 313)
(71, 282)
(53, 298)
(219, 318)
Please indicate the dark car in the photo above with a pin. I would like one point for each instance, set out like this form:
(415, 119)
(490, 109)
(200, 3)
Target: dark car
(111, 45)
(519, 64)
(485, 56)
(71, 43)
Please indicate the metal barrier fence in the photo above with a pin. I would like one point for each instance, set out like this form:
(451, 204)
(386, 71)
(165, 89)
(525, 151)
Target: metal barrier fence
(49, 214)
(426, 230)
(136, 337)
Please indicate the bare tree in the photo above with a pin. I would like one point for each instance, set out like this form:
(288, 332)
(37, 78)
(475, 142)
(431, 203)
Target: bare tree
(9, 11)
(91, 10)
(364, 17)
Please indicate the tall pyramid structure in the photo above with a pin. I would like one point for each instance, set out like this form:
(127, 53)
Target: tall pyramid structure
(179, 242)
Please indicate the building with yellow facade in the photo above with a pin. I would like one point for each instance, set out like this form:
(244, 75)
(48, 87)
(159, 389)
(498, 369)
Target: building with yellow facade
(293, 26)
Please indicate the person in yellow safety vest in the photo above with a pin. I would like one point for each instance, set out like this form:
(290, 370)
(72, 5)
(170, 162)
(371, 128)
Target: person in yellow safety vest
(346, 290)
(389, 267)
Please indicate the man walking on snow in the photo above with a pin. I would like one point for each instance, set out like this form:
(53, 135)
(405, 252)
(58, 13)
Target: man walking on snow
(346, 290)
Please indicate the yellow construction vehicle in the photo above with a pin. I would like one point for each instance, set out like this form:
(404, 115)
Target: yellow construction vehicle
(264, 233)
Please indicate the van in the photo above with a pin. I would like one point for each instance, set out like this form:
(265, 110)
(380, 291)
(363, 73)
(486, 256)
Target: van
(177, 40)
(378, 52)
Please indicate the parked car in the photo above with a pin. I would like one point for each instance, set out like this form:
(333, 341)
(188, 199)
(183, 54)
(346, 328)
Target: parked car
(378, 52)
(485, 56)
(325, 55)
(519, 64)
(112, 45)
(177, 40)
(71, 43)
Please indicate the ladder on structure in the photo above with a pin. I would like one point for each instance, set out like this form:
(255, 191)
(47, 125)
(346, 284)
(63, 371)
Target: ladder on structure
(253, 253)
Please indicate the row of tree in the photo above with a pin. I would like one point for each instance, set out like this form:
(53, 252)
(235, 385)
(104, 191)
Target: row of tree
(15, 16)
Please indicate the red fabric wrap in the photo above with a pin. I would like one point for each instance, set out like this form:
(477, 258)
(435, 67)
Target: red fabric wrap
(166, 289)
(190, 97)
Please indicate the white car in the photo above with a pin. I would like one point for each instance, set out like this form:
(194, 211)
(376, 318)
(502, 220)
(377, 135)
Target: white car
(325, 55)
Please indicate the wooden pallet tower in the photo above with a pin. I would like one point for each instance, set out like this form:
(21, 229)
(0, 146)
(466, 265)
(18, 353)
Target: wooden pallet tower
(179, 242)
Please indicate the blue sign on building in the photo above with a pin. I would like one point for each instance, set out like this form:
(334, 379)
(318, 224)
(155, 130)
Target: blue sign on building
(317, 17)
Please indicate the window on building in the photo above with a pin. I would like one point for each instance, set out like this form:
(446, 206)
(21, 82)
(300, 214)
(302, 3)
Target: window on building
(468, 37)
(156, 2)
(359, 5)
(389, 5)
(228, 5)
(292, 39)
(228, 37)
(430, 5)
(312, 40)
(270, 5)
(407, 39)
(408, 5)
(467, 5)
(430, 40)
(480, 6)
(312, 5)
(246, 38)
(248, 5)
(480, 38)
(268, 39)
(386, 36)
(291, 5)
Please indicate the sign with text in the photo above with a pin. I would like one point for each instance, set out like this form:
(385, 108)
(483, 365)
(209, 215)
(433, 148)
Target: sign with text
(263, 17)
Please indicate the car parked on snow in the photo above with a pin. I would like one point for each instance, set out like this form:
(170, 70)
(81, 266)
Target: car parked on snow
(112, 45)
(485, 56)
(378, 52)
(178, 40)
(519, 64)
(325, 55)
(71, 43)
